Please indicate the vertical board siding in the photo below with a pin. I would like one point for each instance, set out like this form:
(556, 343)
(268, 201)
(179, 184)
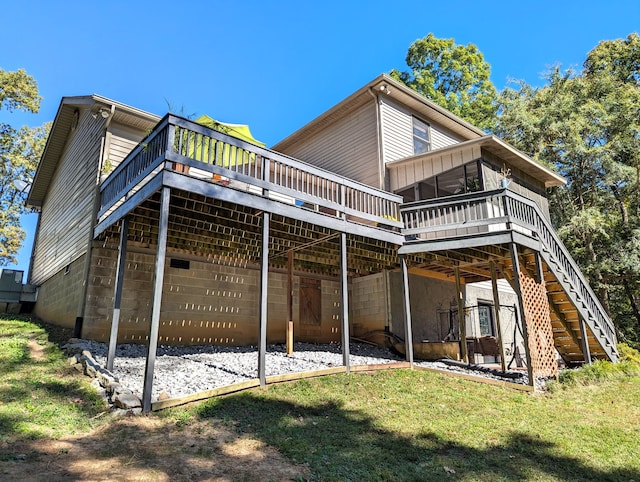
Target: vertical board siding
(347, 147)
(419, 169)
(67, 213)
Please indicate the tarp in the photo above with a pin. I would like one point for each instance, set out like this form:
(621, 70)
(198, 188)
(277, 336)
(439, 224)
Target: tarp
(241, 131)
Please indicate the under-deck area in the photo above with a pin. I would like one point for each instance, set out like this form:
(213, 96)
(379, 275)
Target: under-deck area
(224, 242)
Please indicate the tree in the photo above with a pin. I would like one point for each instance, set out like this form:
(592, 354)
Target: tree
(20, 150)
(587, 125)
(455, 77)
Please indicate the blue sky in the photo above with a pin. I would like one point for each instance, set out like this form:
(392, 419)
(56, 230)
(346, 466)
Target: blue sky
(275, 65)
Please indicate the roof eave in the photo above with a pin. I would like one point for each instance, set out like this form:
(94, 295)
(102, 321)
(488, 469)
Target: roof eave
(394, 89)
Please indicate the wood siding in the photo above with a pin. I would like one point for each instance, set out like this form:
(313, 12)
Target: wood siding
(347, 147)
(397, 132)
(67, 214)
(419, 169)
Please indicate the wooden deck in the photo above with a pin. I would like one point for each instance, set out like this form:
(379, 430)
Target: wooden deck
(471, 232)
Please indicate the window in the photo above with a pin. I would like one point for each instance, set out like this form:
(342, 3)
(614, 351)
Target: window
(421, 138)
(485, 319)
(459, 180)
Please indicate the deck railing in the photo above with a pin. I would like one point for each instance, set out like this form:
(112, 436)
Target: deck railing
(487, 211)
(207, 154)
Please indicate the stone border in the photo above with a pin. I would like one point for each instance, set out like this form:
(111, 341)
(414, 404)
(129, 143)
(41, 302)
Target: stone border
(121, 400)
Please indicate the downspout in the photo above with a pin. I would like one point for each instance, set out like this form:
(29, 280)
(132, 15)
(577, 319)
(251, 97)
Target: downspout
(82, 305)
(382, 183)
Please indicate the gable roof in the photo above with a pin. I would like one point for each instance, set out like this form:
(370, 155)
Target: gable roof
(394, 89)
(62, 126)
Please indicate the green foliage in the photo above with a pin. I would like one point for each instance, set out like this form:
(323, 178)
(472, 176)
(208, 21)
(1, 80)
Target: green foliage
(586, 125)
(20, 151)
(628, 353)
(453, 76)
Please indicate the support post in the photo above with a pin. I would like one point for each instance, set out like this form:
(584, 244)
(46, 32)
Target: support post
(290, 303)
(461, 317)
(496, 313)
(158, 280)
(117, 296)
(264, 288)
(585, 341)
(525, 332)
(408, 329)
(345, 301)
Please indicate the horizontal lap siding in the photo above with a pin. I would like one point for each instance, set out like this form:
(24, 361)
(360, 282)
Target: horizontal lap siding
(347, 147)
(397, 129)
(67, 214)
(397, 122)
(441, 138)
(120, 142)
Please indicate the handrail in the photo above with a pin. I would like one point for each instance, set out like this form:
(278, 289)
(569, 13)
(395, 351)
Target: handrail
(180, 140)
(509, 208)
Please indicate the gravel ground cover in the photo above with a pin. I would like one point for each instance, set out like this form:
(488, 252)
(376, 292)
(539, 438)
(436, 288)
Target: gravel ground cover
(184, 370)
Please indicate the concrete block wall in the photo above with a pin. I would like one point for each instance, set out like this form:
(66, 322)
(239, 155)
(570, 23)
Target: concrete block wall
(59, 296)
(208, 303)
(428, 297)
(367, 300)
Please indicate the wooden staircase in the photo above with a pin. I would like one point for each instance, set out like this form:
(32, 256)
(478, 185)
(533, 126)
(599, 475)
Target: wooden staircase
(582, 329)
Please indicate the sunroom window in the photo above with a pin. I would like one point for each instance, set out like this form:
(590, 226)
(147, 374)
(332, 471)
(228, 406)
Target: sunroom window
(459, 180)
(421, 137)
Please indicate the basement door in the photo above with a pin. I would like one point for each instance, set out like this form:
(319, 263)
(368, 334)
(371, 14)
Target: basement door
(310, 307)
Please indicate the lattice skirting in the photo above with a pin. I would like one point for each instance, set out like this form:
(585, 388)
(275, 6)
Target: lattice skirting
(538, 322)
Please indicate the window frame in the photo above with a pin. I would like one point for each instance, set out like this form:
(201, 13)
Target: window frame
(416, 138)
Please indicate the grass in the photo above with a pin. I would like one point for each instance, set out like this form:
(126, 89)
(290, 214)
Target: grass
(40, 396)
(388, 425)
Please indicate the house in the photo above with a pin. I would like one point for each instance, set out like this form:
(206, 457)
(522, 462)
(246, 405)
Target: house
(384, 218)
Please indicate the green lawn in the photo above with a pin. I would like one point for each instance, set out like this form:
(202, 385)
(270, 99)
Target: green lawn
(388, 425)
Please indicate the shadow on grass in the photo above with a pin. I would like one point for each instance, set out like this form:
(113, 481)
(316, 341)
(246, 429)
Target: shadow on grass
(342, 444)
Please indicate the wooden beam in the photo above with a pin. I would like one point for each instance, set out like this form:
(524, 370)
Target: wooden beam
(158, 280)
(585, 341)
(117, 295)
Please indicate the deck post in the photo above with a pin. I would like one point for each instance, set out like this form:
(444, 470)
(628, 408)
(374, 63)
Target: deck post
(345, 301)
(264, 289)
(461, 317)
(496, 312)
(525, 332)
(585, 341)
(117, 295)
(158, 280)
(290, 303)
(408, 329)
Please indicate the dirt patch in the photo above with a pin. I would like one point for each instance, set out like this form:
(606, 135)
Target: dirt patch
(36, 350)
(148, 448)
